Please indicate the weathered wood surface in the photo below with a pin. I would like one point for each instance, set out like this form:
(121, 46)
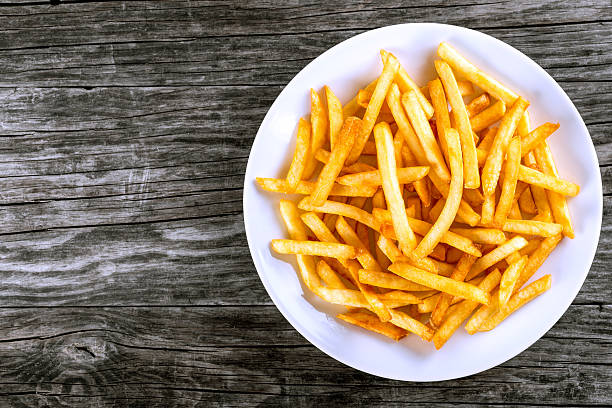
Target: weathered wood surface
(125, 277)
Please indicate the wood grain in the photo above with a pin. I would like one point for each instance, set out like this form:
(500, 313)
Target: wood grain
(125, 275)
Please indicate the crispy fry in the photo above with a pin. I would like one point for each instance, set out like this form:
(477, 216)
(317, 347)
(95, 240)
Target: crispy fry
(363, 98)
(473, 197)
(548, 182)
(345, 210)
(421, 187)
(457, 314)
(307, 187)
(516, 301)
(318, 227)
(352, 106)
(453, 255)
(301, 157)
(462, 124)
(511, 170)
(422, 228)
(318, 134)
(536, 259)
(539, 194)
(537, 136)
(451, 204)
(436, 210)
(334, 113)
(465, 213)
(478, 104)
(389, 281)
(530, 227)
(406, 84)
(378, 97)
(393, 253)
(558, 204)
(481, 235)
(463, 267)
(487, 139)
(329, 276)
(496, 255)
(314, 248)
(473, 74)
(296, 229)
(393, 195)
(426, 138)
(406, 322)
(371, 322)
(369, 148)
(483, 313)
(438, 100)
(509, 278)
(438, 282)
(372, 178)
(355, 298)
(346, 138)
(526, 202)
(488, 116)
(492, 167)
(349, 236)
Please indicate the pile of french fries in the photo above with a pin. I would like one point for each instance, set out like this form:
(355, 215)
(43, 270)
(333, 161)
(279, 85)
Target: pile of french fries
(422, 216)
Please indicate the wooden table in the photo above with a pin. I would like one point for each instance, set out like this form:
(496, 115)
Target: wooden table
(125, 277)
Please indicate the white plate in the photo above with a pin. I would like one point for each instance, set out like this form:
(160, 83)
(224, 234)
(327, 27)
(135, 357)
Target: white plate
(349, 66)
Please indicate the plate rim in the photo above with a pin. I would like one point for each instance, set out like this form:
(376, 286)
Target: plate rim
(494, 362)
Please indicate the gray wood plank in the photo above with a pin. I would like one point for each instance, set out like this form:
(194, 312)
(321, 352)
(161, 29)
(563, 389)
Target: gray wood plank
(240, 357)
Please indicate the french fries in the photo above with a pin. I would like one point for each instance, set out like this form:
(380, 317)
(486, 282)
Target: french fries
(393, 195)
(350, 129)
(444, 218)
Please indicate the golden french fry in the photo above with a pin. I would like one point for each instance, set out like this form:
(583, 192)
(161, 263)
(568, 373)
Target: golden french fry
(421, 187)
(372, 178)
(301, 157)
(307, 187)
(334, 113)
(406, 322)
(438, 100)
(457, 314)
(537, 136)
(296, 229)
(440, 283)
(390, 184)
(453, 255)
(318, 227)
(511, 171)
(539, 194)
(318, 133)
(548, 182)
(426, 138)
(481, 235)
(517, 301)
(473, 74)
(461, 270)
(492, 167)
(465, 213)
(465, 87)
(436, 210)
(394, 254)
(378, 97)
(345, 210)
(371, 322)
(536, 259)
(496, 255)
(488, 210)
(369, 148)
(352, 106)
(509, 279)
(422, 228)
(406, 84)
(473, 197)
(462, 123)
(323, 156)
(483, 313)
(478, 104)
(389, 281)
(313, 248)
(531, 246)
(363, 98)
(527, 203)
(530, 227)
(349, 236)
(451, 205)
(329, 276)
(331, 170)
(558, 203)
(488, 116)
(487, 139)
(355, 298)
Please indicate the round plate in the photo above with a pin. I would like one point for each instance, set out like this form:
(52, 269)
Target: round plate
(349, 66)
